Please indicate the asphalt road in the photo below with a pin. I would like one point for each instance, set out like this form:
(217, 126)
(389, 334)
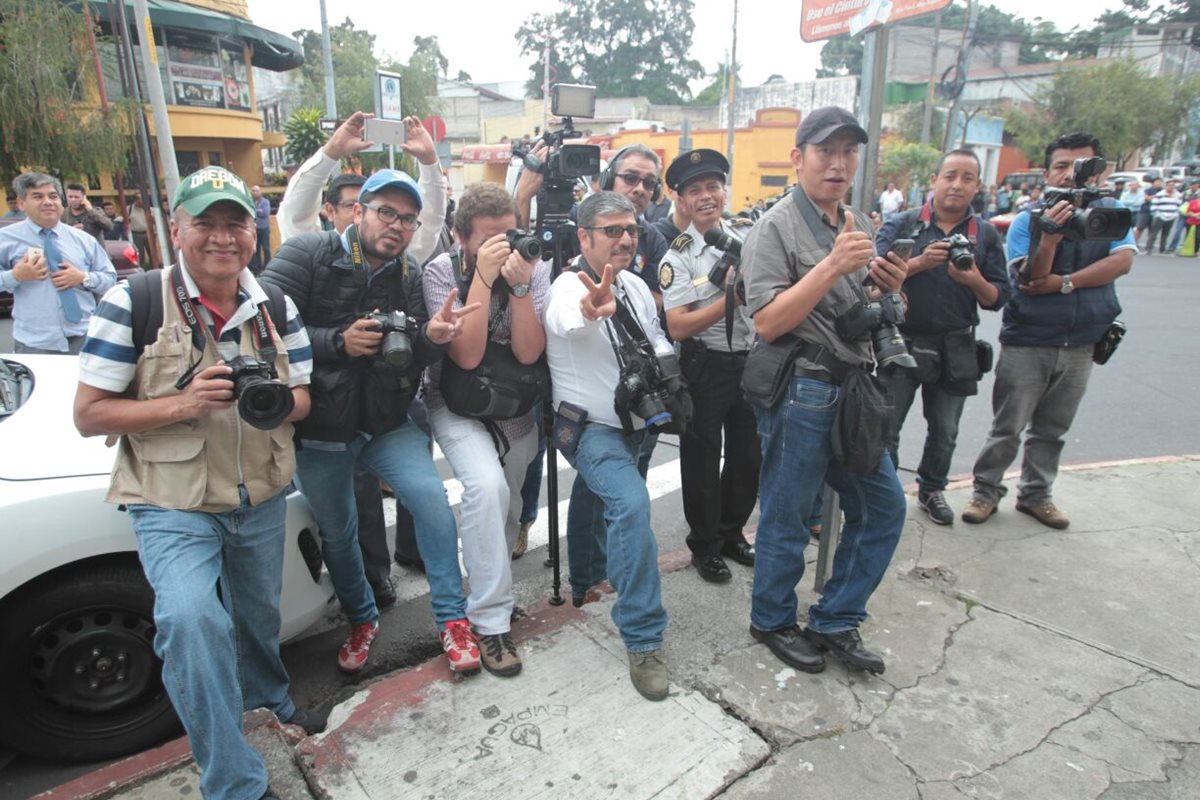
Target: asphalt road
(1142, 403)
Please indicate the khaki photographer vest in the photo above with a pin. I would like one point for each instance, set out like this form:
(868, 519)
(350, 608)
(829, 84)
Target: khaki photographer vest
(197, 464)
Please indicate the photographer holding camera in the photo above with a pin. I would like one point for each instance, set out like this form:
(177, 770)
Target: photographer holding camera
(1064, 305)
(606, 354)
(361, 297)
(695, 279)
(488, 445)
(204, 483)
(804, 267)
(956, 268)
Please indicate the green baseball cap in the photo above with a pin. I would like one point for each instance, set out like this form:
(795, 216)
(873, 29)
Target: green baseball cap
(211, 185)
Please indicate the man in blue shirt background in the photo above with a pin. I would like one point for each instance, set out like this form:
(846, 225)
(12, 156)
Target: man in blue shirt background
(262, 224)
(54, 272)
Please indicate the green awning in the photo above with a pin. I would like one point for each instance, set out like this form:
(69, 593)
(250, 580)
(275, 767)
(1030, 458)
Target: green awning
(269, 50)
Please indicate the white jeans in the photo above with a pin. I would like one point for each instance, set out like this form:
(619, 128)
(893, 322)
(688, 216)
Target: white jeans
(489, 514)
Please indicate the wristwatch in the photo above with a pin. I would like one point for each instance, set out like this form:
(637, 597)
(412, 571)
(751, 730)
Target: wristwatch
(520, 290)
(1067, 288)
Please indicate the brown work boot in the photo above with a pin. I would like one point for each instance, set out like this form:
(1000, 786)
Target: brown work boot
(1046, 513)
(978, 510)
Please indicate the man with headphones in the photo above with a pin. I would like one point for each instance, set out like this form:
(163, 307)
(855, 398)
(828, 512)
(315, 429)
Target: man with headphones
(707, 318)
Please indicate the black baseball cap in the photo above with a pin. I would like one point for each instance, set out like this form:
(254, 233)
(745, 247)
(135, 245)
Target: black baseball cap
(695, 163)
(821, 123)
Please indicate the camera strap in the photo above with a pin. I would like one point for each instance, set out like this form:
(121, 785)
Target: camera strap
(200, 333)
(463, 276)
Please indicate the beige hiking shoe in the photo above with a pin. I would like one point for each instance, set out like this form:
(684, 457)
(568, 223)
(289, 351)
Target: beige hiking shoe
(648, 671)
(1047, 514)
(499, 655)
(522, 543)
(978, 510)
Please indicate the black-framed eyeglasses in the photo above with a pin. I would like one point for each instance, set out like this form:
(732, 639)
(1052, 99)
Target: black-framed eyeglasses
(616, 231)
(345, 204)
(390, 216)
(650, 182)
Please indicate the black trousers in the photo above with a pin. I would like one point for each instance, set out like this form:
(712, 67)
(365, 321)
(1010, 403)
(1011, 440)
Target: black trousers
(372, 533)
(718, 500)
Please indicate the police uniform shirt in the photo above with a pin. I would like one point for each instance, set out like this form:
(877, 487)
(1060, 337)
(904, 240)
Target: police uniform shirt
(683, 277)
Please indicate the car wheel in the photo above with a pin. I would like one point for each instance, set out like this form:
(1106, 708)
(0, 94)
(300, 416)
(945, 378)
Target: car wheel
(79, 679)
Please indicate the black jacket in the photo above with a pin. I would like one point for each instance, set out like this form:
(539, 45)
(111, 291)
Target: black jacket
(351, 394)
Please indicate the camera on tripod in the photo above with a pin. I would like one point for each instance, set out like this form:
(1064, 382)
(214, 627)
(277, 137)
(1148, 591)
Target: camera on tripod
(398, 330)
(1094, 224)
(646, 385)
(262, 399)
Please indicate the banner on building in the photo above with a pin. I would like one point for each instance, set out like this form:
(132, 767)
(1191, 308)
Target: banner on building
(825, 19)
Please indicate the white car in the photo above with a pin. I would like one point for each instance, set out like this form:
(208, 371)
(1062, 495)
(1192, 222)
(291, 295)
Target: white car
(79, 680)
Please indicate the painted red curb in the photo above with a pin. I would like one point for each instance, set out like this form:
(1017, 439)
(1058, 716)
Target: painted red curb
(967, 480)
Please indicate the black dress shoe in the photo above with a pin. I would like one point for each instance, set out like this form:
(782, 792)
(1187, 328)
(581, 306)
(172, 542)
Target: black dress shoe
(741, 552)
(712, 568)
(311, 720)
(413, 563)
(848, 647)
(385, 594)
(791, 648)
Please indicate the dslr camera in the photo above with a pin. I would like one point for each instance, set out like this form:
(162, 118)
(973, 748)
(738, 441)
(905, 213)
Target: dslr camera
(398, 330)
(880, 320)
(731, 246)
(962, 253)
(262, 399)
(1096, 224)
(525, 244)
(646, 385)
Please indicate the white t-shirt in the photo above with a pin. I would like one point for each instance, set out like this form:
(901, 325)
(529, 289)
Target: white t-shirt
(890, 202)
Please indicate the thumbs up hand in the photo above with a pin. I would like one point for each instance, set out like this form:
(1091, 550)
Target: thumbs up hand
(852, 250)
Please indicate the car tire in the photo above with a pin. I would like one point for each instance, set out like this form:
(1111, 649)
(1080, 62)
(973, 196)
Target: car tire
(79, 679)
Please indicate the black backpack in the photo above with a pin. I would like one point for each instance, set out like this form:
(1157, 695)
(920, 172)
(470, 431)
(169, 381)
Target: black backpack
(145, 289)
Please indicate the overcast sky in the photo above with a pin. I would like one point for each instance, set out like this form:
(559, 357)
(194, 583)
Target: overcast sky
(479, 35)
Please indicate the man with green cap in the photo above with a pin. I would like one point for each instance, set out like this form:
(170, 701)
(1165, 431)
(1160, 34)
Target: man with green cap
(205, 488)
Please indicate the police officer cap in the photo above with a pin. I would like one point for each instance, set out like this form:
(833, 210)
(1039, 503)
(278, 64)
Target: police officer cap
(821, 123)
(695, 163)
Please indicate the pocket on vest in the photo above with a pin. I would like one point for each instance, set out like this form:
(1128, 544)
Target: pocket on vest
(174, 470)
(283, 456)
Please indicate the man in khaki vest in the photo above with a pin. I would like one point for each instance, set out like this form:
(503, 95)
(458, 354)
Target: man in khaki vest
(205, 488)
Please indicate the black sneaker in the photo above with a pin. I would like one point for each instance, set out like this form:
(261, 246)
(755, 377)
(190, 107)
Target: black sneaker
(385, 594)
(935, 506)
(310, 720)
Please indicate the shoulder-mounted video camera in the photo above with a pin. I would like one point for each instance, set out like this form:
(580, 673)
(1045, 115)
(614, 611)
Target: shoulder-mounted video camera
(1094, 224)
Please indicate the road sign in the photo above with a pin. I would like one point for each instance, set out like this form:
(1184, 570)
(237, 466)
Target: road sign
(436, 127)
(825, 19)
(387, 95)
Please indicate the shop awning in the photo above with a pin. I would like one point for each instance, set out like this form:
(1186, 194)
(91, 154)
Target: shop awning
(269, 50)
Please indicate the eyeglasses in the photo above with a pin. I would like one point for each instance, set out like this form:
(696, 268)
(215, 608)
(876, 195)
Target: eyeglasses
(346, 204)
(650, 182)
(408, 222)
(616, 231)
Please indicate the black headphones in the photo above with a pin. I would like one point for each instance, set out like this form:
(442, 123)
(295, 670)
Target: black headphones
(608, 178)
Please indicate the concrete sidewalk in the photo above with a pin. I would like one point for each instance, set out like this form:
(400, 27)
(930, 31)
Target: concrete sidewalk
(1022, 662)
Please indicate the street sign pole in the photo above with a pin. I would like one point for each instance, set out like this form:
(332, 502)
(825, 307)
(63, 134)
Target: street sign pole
(870, 112)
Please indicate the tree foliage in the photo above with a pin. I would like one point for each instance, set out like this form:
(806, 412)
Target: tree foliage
(1117, 102)
(626, 48)
(906, 162)
(46, 81)
(304, 134)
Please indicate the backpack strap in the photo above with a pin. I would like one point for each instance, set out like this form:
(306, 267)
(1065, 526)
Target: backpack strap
(145, 291)
(276, 307)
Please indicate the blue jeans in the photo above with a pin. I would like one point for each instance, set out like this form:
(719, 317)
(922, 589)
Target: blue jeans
(796, 461)
(220, 653)
(587, 559)
(402, 458)
(607, 461)
(942, 413)
(531, 489)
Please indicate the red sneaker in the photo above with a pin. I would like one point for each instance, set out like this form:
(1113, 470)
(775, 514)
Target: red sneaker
(461, 646)
(352, 657)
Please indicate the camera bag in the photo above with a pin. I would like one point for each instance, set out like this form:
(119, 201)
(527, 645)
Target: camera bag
(769, 368)
(864, 423)
(1109, 342)
(501, 387)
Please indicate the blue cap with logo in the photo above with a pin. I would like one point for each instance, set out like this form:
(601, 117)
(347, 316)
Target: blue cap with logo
(391, 179)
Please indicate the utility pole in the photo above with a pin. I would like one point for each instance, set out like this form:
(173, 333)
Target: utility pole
(732, 78)
(927, 123)
(327, 59)
(158, 101)
(870, 111)
(960, 78)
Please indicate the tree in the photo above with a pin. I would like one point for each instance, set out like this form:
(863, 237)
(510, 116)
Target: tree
(354, 65)
(429, 61)
(1117, 102)
(907, 162)
(46, 84)
(626, 48)
(304, 134)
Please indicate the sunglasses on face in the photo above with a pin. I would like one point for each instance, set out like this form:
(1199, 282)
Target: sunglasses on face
(616, 231)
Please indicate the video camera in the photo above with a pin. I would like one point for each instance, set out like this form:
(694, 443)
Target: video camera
(1095, 224)
(728, 244)
(566, 162)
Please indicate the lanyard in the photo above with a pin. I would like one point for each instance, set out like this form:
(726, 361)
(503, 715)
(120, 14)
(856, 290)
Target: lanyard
(200, 333)
(926, 218)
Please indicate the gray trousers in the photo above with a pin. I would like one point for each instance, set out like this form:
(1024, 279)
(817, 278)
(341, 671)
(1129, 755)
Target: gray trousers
(1037, 391)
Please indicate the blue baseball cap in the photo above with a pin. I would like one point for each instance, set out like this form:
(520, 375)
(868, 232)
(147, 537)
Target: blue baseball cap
(391, 179)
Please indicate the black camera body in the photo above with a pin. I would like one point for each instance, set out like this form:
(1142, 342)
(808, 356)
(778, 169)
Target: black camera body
(398, 331)
(646, 385)
(880, 320)
(1093, 224)
(263, 400)
(731, 246)
(525, 244)
(962, 252)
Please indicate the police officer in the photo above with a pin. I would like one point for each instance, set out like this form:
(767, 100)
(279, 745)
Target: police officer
(943, 303)
(716, 501)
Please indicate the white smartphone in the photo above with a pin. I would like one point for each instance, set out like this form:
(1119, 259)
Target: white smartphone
(34, 253)
(385, 131)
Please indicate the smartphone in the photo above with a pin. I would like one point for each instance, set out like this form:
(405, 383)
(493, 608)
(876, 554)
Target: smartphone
(903, 248)
(34, 253)
(385, 131)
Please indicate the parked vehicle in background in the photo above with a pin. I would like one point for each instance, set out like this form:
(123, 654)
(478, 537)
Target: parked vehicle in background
(79, 680)
(1031, 177)
(121, 253)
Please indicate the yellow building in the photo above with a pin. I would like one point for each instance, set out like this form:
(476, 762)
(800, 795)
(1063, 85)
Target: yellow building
(204, 51)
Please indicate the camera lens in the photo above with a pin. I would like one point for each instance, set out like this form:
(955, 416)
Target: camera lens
(263, 403)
